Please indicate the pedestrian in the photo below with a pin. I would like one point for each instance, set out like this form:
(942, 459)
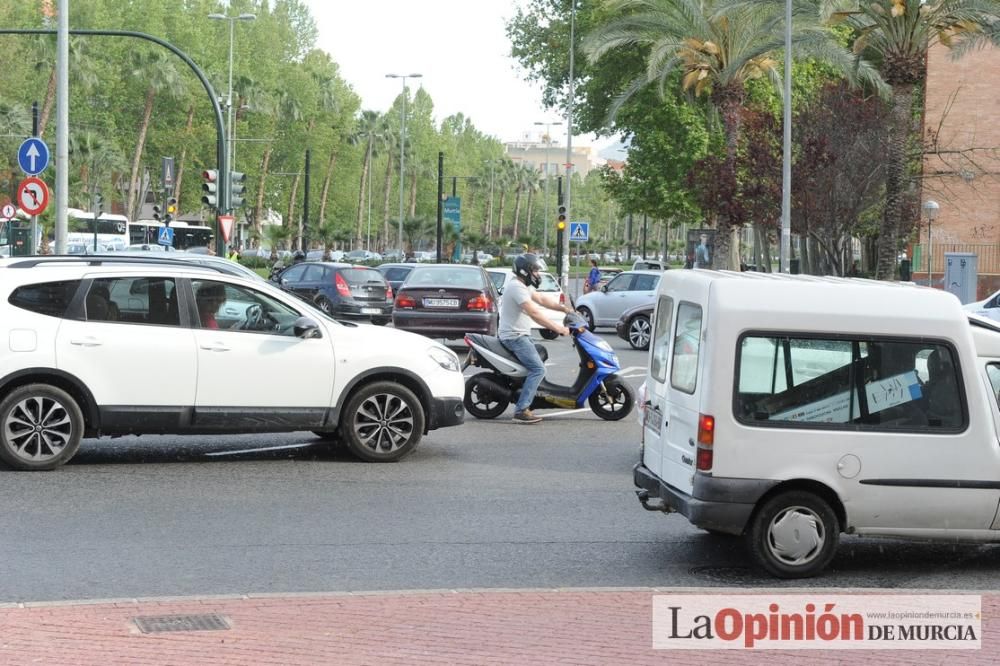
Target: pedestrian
(521, 305)
(234, 254)
(593, 279)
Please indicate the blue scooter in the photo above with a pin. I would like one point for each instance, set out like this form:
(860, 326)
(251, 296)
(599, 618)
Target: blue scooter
(488, 394)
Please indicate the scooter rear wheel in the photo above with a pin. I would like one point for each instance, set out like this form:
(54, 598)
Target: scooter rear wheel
(615, 404)
(481, 400)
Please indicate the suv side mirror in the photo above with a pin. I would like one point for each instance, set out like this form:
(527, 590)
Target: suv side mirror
(306, 328)
(604, 289)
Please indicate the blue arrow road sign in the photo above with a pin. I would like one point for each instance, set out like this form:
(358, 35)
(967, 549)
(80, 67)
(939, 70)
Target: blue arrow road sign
(33, 156)
(579, 231)
(166, 236)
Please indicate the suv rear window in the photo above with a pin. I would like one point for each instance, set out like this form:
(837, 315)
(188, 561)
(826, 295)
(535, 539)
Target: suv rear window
(47, 298)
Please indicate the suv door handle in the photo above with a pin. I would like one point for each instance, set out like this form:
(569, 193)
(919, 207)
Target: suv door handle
(86, 342)
(216, 347)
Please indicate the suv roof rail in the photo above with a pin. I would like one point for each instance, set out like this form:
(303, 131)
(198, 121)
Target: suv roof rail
(100, 260)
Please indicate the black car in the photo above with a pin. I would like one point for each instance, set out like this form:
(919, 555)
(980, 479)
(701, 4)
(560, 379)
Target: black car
(395, 274)
(447, 301)
(635, 326)
(341, 290)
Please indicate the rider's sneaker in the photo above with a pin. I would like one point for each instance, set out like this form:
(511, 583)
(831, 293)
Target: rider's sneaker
(526, 416)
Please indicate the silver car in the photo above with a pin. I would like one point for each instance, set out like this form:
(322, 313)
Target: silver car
(627, 290)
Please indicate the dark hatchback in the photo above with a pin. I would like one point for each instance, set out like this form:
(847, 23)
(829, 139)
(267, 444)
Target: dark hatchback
(341, 290)
(635, 326)
(395, 274)
(446, 301)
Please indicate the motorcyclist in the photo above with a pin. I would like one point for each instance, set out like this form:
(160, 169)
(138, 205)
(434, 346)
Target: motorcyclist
(521, 305)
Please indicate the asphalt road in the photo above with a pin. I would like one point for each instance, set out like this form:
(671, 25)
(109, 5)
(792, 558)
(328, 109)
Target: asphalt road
(488, 504)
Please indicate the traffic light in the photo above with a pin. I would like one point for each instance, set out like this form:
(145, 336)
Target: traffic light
(98, 202)
(236, 188)
(210, 187)
(560, 231)
(171, 209)
(562, 217)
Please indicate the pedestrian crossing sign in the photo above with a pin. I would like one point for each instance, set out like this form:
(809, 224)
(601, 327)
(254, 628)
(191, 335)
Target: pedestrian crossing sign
(579, 231)
(165, 236)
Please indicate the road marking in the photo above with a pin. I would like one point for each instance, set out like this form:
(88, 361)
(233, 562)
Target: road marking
(641, 374)
(266, 448)
(569, 411)
(630, 369)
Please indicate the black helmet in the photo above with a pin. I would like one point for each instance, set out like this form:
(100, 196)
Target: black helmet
(299, 256)
(526, 267)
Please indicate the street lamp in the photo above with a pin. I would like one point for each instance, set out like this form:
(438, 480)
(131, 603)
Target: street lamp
(569, 145)
(402, 150)
(548, 146)
(931, 208)
(229, 98)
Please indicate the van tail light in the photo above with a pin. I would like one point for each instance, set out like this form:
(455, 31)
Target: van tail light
(405, 302)
(341, 284)
(706, 442)
(479, 303)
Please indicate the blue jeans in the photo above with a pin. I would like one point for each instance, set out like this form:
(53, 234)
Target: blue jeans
(524, 349)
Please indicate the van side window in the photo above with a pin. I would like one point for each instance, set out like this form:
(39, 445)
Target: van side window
(686, 349)
(661, 339)
(993, 371)
(880, 384)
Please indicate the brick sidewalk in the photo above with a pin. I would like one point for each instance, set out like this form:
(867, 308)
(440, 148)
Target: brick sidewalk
(599, 626)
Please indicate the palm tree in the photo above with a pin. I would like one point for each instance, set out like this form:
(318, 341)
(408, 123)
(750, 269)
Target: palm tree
(474, 240)
(503, 178)
(523, 178)
(451, 238)
(896, 35)
(277, 236)
(368, 133)
(414, 229)
(326, 234)
(391, 146)
(159, 73)
(97, 158)
(81, 68)
(717, 46)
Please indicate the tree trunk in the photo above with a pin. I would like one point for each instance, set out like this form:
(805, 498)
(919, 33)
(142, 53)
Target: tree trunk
(365, 168)
(413, 195)
(326, 185)
(895, 180)
(503, 196)
(385, 201)
(517, 211)
(527, 220)
(133, 203)
(289, 221)
(730, 101)
(258, 222)
(180, 163)
(50, 98)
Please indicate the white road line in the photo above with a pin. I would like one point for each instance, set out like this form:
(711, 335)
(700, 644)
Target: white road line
(641, 374)
(630, 369)
(569, 411)
(266, 448)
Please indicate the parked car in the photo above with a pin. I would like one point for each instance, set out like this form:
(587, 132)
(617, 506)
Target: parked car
(635, 326)
(341, 290)
(362, 255)
(629, 289)
(317, 255)
(988, 307)
(447, 301)
(395, 274)
(649, 264)
(501, 277)
(85, 248)
(76, 365)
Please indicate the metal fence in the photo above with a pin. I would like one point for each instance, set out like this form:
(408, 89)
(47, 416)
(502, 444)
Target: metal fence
(989, 256)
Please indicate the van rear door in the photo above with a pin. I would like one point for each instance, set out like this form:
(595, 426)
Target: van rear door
(655, 410)
(680, 445)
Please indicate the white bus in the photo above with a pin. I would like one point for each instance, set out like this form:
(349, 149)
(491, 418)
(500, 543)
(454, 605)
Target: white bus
(109, 231)
(186, 236)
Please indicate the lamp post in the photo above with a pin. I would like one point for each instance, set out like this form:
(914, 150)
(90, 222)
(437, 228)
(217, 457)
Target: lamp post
(569, 144)
(402, 151)
(229, 96)
(931, 208)
(548, 146)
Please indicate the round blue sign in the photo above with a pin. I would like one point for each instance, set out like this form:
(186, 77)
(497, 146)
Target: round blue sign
(33, 156)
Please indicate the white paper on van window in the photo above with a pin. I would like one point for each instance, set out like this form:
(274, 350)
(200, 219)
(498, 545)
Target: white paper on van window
(892, 391)
(834, 409)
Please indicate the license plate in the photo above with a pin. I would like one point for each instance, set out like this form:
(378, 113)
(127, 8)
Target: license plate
(370, 311)
(651, 421)
(441, 302)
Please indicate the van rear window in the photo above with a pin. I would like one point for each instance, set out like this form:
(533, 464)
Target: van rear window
(661, 339)
(686, 348)
(878, 383)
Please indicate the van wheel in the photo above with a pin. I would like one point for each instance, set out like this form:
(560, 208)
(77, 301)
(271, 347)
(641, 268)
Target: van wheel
(382, 422)
(638, 332)
(615, 403)
(548, 335)
(587, 315)
(40, 427)
(481, 399)
(794, 535)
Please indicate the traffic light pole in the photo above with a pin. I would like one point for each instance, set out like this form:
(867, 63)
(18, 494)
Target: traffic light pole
(220, 126)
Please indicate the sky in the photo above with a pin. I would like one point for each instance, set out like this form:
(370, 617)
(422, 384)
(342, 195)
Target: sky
(460, 47)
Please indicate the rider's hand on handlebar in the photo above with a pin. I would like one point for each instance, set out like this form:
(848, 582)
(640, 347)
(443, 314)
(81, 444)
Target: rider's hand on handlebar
(562, 330)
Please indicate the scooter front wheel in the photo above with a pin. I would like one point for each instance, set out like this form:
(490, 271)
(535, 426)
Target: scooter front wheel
(615, 402)
(481, 399)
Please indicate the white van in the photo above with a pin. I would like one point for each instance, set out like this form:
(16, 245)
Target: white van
(789, 409)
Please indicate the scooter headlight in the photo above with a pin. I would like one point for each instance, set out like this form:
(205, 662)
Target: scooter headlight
(445, 357)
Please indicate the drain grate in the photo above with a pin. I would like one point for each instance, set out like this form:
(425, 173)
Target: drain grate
(152, 624)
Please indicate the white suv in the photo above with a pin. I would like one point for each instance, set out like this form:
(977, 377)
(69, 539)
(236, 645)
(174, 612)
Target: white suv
(98, 346)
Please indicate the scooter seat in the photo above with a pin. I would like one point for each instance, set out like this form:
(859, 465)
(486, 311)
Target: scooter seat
(494, 345)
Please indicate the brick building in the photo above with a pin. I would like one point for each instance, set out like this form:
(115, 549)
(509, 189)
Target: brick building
(961, 169)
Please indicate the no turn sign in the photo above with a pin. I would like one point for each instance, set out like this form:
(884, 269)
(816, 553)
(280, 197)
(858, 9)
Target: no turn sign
(33, 195)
